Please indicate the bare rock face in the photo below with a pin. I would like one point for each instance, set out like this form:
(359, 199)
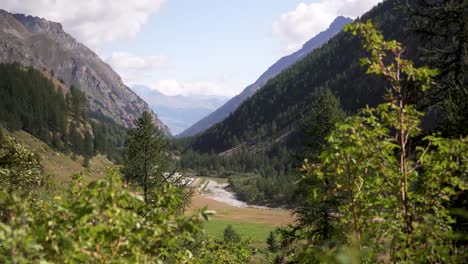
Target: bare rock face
(42, 44)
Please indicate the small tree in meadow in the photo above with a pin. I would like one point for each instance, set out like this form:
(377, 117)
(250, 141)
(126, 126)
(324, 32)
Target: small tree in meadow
(230, 235)
(272, 242)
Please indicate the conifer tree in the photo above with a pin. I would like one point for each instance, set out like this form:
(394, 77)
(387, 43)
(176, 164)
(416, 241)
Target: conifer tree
(230, 235)
(88, 149)
(146, 157)
(272, 242)
(323, 114)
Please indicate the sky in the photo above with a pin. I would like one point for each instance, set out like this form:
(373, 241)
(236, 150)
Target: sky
(192, 47)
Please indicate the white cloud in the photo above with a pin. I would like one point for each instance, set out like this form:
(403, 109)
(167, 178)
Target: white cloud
(94, 23)
(133, 68)
(174, 87)
(307, 20)
(144, 70)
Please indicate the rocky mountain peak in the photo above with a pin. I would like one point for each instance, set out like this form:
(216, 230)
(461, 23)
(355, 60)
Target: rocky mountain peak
(39, 25)
(43, 44)
(339, 21)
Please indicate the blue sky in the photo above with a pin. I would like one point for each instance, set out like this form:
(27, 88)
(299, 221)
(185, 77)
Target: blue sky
(226, 42)
(202, 47)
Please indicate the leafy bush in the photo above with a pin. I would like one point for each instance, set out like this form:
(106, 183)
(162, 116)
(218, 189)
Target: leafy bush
(380, 191)
(20, 169)
(100, 222)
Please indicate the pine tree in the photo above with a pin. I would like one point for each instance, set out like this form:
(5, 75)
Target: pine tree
(146, 157)
(272, 242)
(88, 149)
(78, 103)
(76, 141)
(230, 235)
(323, 114)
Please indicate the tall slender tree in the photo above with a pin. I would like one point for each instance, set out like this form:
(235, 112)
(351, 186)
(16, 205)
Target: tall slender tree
(88, 148)
(146, 156)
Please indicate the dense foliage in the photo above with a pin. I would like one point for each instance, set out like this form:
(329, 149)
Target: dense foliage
(442, 27)
(32, 102)
(378, 189)
(261, 178)
(100, 222)
(20, 169)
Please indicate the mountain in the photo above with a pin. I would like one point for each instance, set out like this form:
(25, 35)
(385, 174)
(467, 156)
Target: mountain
(44, 45)
(220, 114)
(179, 112)
(274, 112)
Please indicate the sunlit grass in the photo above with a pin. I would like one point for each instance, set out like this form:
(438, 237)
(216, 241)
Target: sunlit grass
(257, 232)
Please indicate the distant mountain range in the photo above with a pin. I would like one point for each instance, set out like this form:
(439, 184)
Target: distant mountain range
(44, 45)
(179, 112)
(220, 114)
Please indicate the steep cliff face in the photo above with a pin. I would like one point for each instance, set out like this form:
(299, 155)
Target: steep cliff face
(43, 44)
(221, 113)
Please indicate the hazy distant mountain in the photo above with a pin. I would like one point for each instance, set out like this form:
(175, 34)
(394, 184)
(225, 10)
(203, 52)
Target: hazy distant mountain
(220, 114)
(179, 112)
(44, 45)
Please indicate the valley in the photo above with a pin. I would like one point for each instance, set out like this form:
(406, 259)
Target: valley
(180, 132)
(250, 221)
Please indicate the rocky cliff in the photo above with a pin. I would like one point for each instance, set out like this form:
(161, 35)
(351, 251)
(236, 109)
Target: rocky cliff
(42, 44)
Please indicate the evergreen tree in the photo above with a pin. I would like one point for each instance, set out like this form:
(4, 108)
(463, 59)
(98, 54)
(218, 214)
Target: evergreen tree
(230, 235)
(322, 116)
(75, 139)
(146, 156)
(77, 103)
(88, 148)
(31, 101)
(272, 242)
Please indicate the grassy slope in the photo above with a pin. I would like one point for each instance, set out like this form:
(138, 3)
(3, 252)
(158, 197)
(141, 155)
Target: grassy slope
(61, 166)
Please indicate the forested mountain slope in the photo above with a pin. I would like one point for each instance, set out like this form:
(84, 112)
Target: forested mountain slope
(42, 44)
(279, 106)
(282, 64)
(36, 102)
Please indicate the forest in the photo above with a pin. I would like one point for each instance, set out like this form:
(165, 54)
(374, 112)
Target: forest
(32, 102)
